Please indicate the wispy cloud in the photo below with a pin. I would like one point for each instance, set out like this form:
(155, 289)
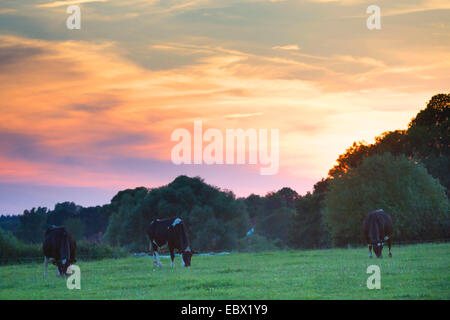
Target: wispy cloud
(56, 4)
(422, 6)
(287, 47)
(243, 115)
(107, 106)
(4, 11)
(363, 60)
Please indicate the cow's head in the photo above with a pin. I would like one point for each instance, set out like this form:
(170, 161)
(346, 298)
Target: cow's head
(187, 255)
(63, 265)
(378, 248)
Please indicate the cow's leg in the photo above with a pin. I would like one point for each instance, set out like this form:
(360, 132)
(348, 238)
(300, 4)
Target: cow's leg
(152, 252)
(370, 250)
(57, 271)
(389, 246)
(45, 266)
(157, 259)
(172, 256)
(156, 262)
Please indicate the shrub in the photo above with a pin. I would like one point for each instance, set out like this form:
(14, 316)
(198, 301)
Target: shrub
(257, 243)
(13, 250)
(94, 251)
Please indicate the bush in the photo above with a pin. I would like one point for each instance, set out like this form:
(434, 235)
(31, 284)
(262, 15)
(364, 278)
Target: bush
(94, 251)
(415, 200)
(13, 250)
(257, 243)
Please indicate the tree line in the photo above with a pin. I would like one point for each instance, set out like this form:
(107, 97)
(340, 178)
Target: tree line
(405, 172)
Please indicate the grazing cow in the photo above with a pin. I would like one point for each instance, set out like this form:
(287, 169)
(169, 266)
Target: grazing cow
(171, 232)
(59, 245)
(377, 229)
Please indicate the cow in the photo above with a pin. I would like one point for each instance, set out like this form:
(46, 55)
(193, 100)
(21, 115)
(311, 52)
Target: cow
(59, 245)
(377, 230)
(171, 232)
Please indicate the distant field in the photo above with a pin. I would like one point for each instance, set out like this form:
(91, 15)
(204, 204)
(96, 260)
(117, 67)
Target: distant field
(415, 272)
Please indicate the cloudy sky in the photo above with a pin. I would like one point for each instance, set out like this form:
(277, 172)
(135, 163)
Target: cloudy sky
(86, 113)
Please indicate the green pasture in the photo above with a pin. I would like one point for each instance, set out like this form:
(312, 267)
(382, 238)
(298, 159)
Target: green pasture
(415, 272)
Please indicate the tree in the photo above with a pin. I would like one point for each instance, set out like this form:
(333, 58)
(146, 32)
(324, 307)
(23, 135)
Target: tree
(126, 225)
(255, 205)
(94, 220)
(76, 227)
(429, 138)
(426, 139)
(416, 201)
(62, 212)
(32, 225)
(276, 225)
(272, 214)
(214, 218)
(285, 197)
(308, 229)
(352, 158)
(9, 223)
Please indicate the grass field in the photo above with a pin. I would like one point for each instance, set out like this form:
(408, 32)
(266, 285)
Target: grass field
(415, 272)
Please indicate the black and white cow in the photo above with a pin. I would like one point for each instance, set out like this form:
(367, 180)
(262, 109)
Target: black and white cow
(60, 246)
(377, 230)
(171, 232)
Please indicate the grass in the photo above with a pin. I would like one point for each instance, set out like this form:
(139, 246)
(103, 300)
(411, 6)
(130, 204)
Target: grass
(415, 272)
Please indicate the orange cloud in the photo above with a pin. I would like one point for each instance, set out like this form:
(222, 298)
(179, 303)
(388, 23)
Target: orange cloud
(81, 109)
(287, 47)
(66, 3)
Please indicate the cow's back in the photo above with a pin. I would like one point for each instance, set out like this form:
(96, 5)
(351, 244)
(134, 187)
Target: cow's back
(170, 230)
(377, 225)
(387, 223)
(159, 230)
(52, 243)
(55, 239)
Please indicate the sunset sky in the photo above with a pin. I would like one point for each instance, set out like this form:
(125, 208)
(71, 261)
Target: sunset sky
(86, 113)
